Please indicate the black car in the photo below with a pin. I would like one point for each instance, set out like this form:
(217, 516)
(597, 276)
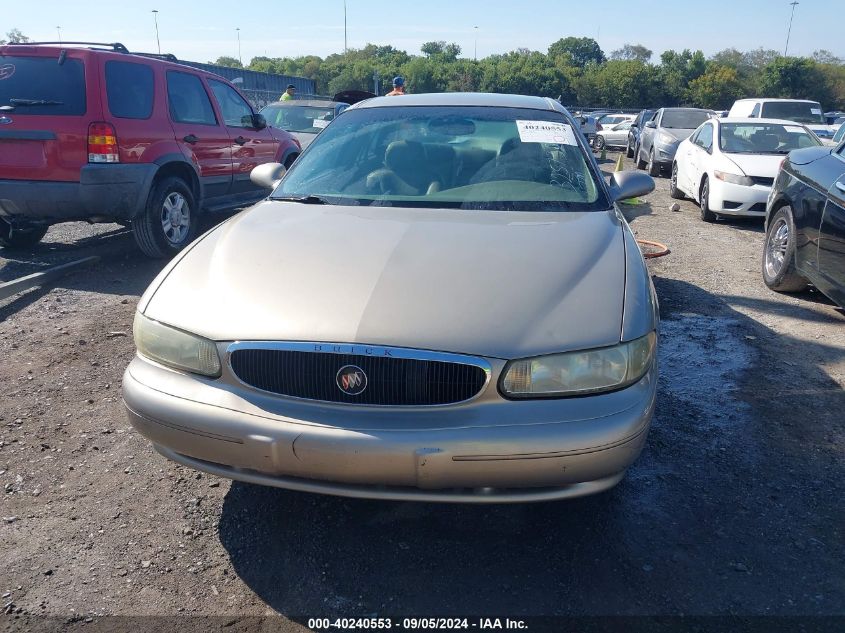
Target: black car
(634, 133)
(805, 224)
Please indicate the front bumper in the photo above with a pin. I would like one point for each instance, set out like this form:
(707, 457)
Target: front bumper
(665, 154)
(727, 198)
(116, 192)
(468, 453)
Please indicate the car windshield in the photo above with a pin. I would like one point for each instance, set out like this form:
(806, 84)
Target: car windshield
(764, 138)
(448, 157)
(683, 119)
(798, 111)
(840, 133)
(299, 118)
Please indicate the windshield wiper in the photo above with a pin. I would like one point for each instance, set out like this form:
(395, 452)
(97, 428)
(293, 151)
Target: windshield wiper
(302, 199)
(34, 102)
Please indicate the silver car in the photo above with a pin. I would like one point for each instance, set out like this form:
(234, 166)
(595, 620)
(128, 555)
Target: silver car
(304, 118)
(440, 301)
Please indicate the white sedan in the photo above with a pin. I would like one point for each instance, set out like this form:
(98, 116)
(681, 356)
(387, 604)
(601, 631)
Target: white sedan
(729, 165)
(614, 136)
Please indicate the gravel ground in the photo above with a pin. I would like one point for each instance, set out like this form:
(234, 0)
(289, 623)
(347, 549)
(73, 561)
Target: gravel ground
(735, 506)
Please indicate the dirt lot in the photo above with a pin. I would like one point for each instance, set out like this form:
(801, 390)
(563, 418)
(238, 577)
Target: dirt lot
(735, 506)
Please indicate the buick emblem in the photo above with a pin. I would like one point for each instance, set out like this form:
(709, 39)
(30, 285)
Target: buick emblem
(351, 380)
(4, 120)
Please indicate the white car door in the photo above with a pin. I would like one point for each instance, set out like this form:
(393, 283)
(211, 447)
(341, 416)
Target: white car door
(701, 150)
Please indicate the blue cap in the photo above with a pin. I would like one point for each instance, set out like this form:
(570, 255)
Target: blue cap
(399, 81)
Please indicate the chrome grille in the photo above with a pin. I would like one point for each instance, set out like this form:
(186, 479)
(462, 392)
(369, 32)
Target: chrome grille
(395, 376)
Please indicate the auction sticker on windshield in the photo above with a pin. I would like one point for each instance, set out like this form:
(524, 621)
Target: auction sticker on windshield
(545, 132)
(320, 123)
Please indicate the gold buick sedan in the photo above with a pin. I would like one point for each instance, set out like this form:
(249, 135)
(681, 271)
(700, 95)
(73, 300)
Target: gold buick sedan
(439, 301)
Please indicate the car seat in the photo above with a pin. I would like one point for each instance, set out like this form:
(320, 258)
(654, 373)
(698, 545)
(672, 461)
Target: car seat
(406, 171)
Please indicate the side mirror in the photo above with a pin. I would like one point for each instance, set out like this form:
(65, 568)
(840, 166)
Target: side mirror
(651, 124)
(254, 121)
(634, 124)
(629, 184)
(269, 175)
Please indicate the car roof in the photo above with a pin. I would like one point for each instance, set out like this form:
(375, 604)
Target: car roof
(311, 103)
(773, 99)
(464, 99)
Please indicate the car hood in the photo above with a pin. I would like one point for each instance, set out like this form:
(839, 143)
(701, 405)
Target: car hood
(676, 133)
(496, 284)
(760, 165)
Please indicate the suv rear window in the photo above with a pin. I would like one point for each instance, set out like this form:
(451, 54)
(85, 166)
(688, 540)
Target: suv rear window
(26, 81)
(130, 90)
(798, 111)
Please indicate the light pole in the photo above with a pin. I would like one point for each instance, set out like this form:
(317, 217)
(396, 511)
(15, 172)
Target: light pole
(475, 48)
(238, 30)
(345, 47)
(59, 31)
(155, 18)
(789, 30)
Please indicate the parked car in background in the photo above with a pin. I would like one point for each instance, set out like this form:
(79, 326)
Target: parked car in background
(805, 224)
(840, 135)
(632, 147)
(614, 136)
(104, 135)
(589, 127)
(801, 111)
(328, 349)
(660, 137)
(609, 120)
(831, 117)
(729, 165)
(304, 118)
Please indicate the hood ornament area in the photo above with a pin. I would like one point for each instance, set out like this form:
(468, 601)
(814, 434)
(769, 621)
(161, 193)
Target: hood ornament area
(351, 380)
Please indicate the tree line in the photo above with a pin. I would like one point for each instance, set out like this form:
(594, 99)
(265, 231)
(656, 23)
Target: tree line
(578, 71)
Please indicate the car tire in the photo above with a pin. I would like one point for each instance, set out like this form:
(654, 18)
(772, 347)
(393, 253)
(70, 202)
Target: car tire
(629, 151)
(779, 254)
(653, 165)
(170, 220)
(640, 162)
(706, 214)
(599, 143)
(674, 192)
(20, 237)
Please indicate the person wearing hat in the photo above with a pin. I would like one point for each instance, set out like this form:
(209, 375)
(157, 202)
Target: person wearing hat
(398, 87)
(288, 94)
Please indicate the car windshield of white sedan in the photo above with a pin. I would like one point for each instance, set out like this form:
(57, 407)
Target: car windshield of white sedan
(298, 118)
(684, 119)
(763, 138)
(447, 157)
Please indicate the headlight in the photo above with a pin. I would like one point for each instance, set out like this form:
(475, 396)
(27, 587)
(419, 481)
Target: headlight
(666, 139)
(579, 373)
(736, 179)
(175, 348)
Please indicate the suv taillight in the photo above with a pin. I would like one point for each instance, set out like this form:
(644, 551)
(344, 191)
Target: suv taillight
(102, 143)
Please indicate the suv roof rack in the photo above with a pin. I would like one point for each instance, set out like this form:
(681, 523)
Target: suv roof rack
(170, 57)
(116, 46)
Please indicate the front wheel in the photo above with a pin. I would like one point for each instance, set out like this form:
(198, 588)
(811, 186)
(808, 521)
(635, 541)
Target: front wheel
(170, 220)
(599, 142)
(674, 192)
(640, 162)
(20, 236)
(629, 151)
(779, 254)
(653, 165)
(706, 214)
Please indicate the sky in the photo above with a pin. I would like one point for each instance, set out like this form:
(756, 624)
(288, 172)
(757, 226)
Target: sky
(203, 31)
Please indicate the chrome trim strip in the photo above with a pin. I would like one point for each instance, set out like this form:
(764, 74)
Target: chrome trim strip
(360, 349)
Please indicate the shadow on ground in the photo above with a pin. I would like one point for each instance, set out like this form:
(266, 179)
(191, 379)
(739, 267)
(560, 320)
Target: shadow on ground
(728, 510)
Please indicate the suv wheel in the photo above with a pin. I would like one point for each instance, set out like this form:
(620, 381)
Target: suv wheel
(170, 222)
(599, 142)
(640, 161)
(21, 236)
(629, 151)
(779, 254)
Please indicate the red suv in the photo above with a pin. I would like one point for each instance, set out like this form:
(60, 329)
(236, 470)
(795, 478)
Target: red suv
(105, 135)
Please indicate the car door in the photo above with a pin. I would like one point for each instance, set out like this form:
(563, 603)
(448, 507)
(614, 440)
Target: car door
(701, 150)
(201, 137)
(647, 134)
(832, 238)
(250, 146)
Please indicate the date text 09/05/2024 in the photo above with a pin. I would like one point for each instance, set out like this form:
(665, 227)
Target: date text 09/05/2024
(415, 624)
